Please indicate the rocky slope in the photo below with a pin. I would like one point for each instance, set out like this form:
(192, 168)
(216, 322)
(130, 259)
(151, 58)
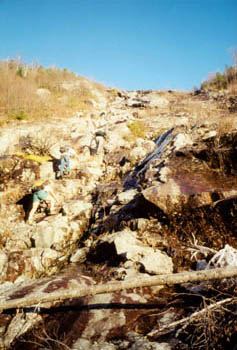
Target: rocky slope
(152, 190)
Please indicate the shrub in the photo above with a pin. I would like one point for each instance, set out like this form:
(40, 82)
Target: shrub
(20, 72)
(37, 145)
(19, 116)
(138, 129)
(221, 81)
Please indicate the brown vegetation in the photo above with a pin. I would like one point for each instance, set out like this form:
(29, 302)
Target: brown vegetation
(34, 92)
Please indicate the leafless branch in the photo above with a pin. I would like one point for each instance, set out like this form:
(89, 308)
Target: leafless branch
(187, 320)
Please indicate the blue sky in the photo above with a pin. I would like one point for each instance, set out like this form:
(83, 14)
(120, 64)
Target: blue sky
(129, 44)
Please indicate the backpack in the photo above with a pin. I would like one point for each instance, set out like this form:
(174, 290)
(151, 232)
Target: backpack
(63, 149)
(37, 188)
(100, 133)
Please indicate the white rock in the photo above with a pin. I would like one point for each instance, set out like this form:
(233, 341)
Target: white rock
(3, 261)
(210, 134)
(182, 140)
(137, 153)
(153, 260)
(46, 234)
(79, 255)
(78, 207)
(127, 196)
(44, 93)
(163, 173)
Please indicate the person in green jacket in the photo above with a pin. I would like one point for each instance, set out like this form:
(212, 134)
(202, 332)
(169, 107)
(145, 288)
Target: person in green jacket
(41, 192)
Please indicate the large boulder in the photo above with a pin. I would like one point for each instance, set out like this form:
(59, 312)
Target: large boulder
(57, 231)
(170, 196)
(153, 260)
(182, 140)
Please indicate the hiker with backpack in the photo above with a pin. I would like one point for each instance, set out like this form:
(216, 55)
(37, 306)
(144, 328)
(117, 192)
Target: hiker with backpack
(41, 192)
(66, 152)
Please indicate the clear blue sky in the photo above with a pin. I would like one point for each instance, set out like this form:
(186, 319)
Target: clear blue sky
(129, 44)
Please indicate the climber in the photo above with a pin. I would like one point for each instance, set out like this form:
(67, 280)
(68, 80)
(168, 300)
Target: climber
(66, 151)
(41, 191)
(96, 141)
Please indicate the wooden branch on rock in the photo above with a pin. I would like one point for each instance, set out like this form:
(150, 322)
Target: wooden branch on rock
(157, 332)
(34, 298)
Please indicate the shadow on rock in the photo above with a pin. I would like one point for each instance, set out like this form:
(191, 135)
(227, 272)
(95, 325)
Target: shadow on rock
(26, 203)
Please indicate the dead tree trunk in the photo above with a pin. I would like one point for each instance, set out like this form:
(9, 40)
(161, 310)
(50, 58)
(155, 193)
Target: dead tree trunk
(8, 302)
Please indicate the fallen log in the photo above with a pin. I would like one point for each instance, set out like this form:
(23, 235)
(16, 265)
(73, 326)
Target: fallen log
(34, 298)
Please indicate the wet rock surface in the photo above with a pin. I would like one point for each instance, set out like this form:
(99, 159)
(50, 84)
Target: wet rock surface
(133, 205)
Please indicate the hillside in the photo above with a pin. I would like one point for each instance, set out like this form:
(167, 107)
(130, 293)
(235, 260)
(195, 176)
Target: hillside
(152, 191)
(31, 92)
